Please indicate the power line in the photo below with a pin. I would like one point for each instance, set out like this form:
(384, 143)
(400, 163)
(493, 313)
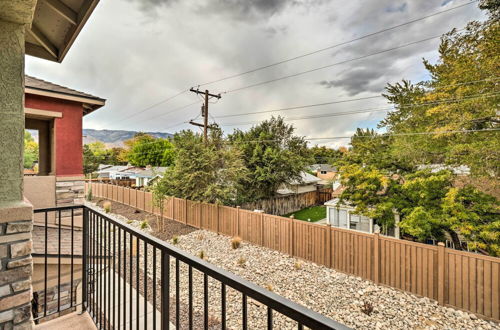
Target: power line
(333, 64)
(369, 136)
(154, 105)
(336, 45)
(172, 111)
(340, 101)
(335, 114)
(381, 135)
(298, 57)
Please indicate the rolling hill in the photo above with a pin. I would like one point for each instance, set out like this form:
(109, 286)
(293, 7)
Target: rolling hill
(115, 138)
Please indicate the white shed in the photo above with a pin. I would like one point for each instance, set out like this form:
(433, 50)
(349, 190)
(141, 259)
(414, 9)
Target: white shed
(343, 216)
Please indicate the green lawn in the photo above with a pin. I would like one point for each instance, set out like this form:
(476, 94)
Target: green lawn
(314, 213)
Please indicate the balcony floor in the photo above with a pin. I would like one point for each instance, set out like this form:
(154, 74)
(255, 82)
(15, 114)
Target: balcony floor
(73, 321)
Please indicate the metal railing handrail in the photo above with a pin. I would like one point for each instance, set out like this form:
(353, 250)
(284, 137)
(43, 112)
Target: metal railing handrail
(278, 303)
(302, 315)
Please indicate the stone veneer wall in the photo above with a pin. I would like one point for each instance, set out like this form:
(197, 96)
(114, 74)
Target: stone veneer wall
(15, 268)
(52, 300)
(70, 191)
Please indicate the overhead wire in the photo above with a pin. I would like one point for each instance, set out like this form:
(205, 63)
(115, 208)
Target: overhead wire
(383, 135)
(300, 73)
(298, 57)
(335, 114)
(340, 101)
(335, 45)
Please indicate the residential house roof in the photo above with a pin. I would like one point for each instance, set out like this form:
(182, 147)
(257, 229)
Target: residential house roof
(323, 167)
(41, 87)
(114, 168)
(306, 179)
(151, 172)
(54, 26)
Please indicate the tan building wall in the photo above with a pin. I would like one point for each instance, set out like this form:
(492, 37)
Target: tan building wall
(328, 176)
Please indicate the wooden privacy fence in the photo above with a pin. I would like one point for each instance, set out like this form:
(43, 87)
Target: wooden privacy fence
(453, 278)
(290, 203)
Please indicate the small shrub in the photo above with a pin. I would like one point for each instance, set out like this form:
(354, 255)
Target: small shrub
(129, 222)
(242, 261)
(236, 242)
(367, 308)
(200, 237)
(106, 206)
(269, 287)
(89, 196)
(202, 255)
(297, 265)
(144, 224)
(175, 239)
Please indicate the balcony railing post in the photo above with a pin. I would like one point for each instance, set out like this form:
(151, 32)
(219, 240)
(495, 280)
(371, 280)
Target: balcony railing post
(85, 241)
(165, 290)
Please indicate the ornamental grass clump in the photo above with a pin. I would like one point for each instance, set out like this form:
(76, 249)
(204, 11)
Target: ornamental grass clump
(202, 254)
(235, 242)
(107, 206)
(242, 261)
(269, 287)
(175, 240)
(367, 308)
(144, 224)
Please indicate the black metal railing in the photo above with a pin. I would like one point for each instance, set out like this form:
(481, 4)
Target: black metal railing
(134, 280)
(60, 263)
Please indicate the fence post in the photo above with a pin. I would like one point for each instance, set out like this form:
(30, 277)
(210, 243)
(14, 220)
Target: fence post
(173, 208)
(237, 221)
(262, 228)
(329, 245)
(218, 218)
(376, 258)
(441, 273)
(201, 217)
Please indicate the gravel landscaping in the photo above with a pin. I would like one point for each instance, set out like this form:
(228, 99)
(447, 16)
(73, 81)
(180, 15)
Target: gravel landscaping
(323, 290)
(333, 294)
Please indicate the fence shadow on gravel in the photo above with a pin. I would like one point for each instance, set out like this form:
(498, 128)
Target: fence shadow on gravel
(463, 280)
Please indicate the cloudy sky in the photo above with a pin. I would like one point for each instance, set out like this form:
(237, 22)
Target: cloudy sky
(136, 53)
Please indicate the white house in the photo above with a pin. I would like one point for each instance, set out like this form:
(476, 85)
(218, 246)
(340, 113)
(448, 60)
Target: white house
(117, 172)
(307, 183)
(146, 176)
(343, 216)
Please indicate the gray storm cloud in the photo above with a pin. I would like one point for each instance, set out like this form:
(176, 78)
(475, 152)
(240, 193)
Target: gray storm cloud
(136, 53)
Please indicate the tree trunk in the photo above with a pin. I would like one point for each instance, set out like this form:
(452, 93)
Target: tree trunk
(455, 239)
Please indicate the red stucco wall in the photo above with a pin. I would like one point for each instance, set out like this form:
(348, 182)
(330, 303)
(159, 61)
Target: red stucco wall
(68, 131)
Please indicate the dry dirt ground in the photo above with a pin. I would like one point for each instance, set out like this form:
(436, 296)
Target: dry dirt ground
(170, 228)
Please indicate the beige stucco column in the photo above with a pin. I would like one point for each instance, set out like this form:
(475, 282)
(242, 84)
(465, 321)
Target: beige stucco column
(15, 214)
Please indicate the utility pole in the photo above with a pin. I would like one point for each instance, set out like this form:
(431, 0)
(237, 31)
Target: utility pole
(205, 111)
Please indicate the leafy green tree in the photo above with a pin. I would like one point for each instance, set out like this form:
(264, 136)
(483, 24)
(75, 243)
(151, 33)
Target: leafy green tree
(273, 155)
(209, 172)
(369, 148)
(325, 155)
(94, 153)
(465, 56)
(427, 203)
(147, 150)
(30, 150)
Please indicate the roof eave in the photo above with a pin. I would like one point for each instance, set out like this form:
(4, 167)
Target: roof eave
(90, 104)
(45, 48)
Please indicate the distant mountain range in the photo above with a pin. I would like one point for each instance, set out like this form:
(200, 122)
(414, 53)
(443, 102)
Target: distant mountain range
(115, 138)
